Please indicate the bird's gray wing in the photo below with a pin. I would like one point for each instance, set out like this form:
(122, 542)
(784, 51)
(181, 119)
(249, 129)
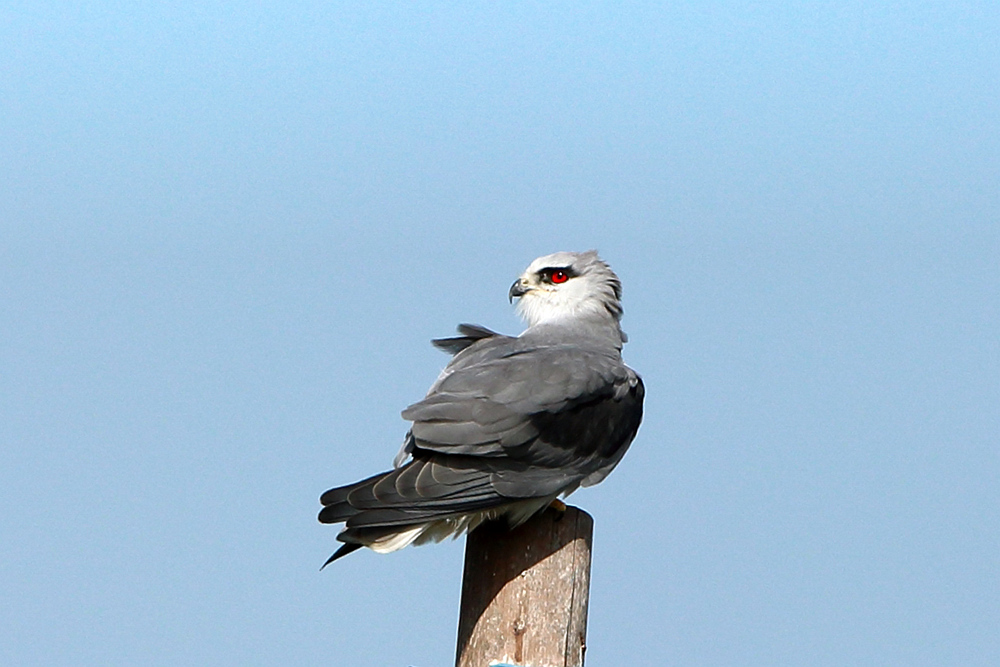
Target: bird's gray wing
(506, 421)
(560, 409)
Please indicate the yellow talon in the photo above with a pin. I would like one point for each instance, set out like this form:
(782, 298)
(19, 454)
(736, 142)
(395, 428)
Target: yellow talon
(558, 506)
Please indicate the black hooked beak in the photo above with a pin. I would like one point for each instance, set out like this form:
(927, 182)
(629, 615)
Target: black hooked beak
(516, 290)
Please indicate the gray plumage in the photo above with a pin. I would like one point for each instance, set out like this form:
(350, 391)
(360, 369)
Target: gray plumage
(512, 422)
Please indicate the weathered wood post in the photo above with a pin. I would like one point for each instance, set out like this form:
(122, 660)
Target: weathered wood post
(525, 592)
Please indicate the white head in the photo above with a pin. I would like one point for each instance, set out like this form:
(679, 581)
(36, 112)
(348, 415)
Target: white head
(568, 285)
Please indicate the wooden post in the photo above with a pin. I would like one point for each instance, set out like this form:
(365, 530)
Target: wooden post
(525, 592)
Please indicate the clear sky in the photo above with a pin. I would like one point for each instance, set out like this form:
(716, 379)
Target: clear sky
(228, 231)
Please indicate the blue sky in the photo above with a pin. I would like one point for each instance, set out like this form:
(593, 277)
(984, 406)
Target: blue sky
(229, 230)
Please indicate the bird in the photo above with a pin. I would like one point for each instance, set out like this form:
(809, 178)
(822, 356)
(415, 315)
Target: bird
(512, 422)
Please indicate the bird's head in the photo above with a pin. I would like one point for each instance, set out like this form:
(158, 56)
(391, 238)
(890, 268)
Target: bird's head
(568, 285)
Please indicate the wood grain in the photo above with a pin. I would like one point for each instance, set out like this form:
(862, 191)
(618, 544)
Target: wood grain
(525, 592)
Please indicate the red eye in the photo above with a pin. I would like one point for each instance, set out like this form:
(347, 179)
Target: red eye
(559, 277)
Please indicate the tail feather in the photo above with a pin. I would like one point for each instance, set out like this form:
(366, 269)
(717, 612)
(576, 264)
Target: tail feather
(341, 552)
(428, 499)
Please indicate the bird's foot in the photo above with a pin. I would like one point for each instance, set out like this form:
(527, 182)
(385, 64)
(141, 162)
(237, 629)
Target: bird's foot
(559, 507)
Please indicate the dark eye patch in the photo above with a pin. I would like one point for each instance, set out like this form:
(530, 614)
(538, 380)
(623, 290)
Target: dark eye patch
(556, 274)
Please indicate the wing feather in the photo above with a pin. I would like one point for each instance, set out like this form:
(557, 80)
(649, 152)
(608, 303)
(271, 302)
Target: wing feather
(509, 421)
(489, 408)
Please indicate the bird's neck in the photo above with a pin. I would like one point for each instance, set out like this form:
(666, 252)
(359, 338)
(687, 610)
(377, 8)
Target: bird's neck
(603, 328)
